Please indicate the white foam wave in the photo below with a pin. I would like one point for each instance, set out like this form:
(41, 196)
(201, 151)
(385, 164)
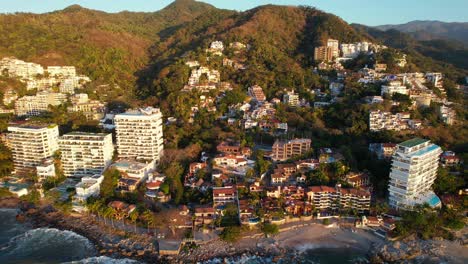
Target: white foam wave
(103, 260)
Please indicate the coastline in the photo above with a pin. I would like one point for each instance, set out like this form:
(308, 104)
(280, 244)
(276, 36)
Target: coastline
(291, 243)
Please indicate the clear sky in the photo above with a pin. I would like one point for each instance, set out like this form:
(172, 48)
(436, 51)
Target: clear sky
(369, 12)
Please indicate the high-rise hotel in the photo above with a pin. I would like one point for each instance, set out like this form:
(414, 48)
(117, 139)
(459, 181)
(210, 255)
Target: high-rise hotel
(31, 143)
(140, 134)
(414, 170)
(85, 154)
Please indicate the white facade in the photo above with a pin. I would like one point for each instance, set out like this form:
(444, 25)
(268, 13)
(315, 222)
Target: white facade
(30, 144)
(19, 68)
(64, 71)
(38, 104)
(291, 98)
(134, 169)
(394, 87)
(335, 46)
(414, 170)
(88, 187)
(140, 134)
(46, 169)
(85, 154)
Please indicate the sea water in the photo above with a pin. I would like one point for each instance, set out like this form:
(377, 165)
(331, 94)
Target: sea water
(21, 244)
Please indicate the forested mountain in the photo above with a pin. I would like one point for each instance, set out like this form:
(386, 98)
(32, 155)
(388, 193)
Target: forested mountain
(430, 30)
(137, 51)
(438, 55)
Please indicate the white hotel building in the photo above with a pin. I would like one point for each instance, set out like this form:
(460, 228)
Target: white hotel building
(85, 154)
(31, 143)
(414, 170)
(140, 134)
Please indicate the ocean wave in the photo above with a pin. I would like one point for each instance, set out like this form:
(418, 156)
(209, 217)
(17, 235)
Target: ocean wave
(103, 260)
(47, 244)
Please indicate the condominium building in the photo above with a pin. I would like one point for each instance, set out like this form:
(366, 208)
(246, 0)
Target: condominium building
(69, 84)
(224, 195)
(256, 92)
(38, 104)
(330, 198)
(323, 53)
(335, 47)
(46, 169)
(447, 114)
(283, 150)
(92, 109)
(19, 68)
(291, 98)
(379, 120)
(414, 170)
(394, 87)
(31, 144)
(85, 154)
(64, 71)
(352, 50)
(140, 134)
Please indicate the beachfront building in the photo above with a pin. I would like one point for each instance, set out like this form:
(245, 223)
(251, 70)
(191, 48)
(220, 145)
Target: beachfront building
(37, 104)
(414, 170)
(224, 195)
(283, 150)
(46, 169)
(330, 198)
(140, 134)
(31, 144)
(89, 186)
(85, 154)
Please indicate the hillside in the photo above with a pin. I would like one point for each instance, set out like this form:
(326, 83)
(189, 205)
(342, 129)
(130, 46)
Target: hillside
(438, 55)
(107, 47)
(137, 51)
(431, 30)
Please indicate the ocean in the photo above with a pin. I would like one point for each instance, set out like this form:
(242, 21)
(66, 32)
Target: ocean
(21, 244)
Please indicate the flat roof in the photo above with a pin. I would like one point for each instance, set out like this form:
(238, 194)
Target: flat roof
(413, 142)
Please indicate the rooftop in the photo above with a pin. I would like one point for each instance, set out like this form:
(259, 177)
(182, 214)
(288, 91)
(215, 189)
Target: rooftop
(413, 142)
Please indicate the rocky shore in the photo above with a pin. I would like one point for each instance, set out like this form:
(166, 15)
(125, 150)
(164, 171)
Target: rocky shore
(108, 242)
(413, 250)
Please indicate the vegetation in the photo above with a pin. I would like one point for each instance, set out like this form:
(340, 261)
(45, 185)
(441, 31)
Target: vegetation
(231, 234)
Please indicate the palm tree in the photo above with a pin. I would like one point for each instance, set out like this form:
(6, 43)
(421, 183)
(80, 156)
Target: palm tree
(149, 218)
(110, 213)
(133, 218)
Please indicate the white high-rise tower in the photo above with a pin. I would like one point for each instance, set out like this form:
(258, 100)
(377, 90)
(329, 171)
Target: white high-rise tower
(140, 134)
(414, 170)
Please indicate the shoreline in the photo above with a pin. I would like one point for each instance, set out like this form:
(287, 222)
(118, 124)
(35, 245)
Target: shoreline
(291, 243)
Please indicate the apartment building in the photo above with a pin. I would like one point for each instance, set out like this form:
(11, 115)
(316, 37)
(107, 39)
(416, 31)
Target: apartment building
(134, 169)
(414, 170)
(140, 134)
(69, 84)
(379, 120)
(283, 150)
(92, 109)
(447, 114)
(335, 47)
(19, 68)
(46, 169)
(352, 50)
(63, 71)
(330, 198)
(224, 195)
(89, 186)
(291, 98)
(31, 144)
(323, 53)
(85, 154)
(394, 87)
(38, 104)
(256, 92)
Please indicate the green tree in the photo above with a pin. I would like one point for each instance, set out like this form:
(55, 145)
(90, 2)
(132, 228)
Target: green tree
(231, 234)
(270, 229)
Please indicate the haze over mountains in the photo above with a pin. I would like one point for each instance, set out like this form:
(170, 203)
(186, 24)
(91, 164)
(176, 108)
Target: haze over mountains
(429, 30)
(129, 48)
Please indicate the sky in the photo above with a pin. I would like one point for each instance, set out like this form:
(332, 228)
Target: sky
(368, 12)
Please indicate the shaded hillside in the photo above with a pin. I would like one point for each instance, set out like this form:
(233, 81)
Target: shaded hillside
(431, 30)
(282, 40)
(435, 55)
(104, 46)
